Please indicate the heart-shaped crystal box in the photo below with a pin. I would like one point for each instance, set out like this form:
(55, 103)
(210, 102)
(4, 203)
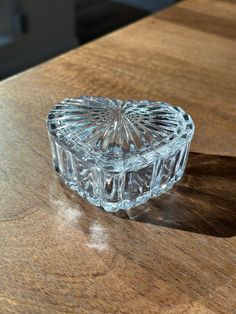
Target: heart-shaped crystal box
(118, 154)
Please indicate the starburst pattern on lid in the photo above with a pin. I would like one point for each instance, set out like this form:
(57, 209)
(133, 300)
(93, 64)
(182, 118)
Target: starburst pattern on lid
(116, 127)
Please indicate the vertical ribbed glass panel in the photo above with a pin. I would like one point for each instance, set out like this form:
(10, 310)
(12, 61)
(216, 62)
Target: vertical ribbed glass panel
(53, 151)
(138, 182)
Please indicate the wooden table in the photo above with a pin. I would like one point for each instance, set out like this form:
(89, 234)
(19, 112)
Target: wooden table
(58, 254)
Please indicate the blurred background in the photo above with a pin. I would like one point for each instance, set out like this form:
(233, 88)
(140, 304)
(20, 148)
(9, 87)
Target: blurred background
(33, 31)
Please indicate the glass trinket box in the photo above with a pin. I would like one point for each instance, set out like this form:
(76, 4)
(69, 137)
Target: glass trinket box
(119, 153)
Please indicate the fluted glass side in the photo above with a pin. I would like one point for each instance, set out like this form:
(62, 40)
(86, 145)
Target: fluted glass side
(118, 154)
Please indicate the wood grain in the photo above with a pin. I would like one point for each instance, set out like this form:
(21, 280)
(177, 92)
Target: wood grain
(177, 253)
(203, 201)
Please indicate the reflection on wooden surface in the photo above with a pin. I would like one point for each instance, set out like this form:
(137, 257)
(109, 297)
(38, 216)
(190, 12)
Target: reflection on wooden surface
(203, 201)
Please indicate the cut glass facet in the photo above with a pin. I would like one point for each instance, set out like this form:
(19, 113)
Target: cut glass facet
(118, 154)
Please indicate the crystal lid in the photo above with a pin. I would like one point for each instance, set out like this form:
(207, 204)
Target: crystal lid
(112, 128)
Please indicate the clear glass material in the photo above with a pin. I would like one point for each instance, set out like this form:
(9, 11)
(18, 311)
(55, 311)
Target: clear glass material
(118, 154)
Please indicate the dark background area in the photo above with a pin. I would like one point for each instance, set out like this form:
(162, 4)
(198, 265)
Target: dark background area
(32, 31)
